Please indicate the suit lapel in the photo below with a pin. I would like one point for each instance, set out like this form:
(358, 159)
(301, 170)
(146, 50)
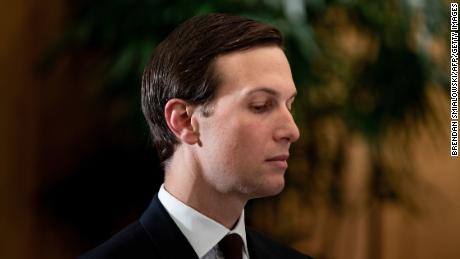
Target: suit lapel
(164, 232)
(257, 249)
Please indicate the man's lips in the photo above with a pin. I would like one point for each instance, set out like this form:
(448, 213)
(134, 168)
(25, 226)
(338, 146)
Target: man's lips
(279, 158)
(279, 161)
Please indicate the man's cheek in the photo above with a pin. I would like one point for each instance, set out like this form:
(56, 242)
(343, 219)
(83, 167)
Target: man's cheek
(250, 141)
(254, 132)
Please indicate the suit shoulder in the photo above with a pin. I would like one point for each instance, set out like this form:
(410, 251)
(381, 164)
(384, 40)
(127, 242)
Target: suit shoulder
(131, 242)
(273, 247)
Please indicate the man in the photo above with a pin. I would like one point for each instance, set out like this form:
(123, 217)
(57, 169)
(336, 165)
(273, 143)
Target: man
(217, 95)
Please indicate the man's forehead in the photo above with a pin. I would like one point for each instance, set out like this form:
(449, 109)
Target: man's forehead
(252, 56)
(268, 90)
(263, 69)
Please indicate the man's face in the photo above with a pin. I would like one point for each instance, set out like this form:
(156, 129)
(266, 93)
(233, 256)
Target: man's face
(245, 142)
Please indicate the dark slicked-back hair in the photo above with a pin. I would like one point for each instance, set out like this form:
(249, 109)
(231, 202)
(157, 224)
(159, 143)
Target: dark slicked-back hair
(182, 67)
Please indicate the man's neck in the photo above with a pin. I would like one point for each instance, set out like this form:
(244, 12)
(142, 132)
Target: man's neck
(189, 187)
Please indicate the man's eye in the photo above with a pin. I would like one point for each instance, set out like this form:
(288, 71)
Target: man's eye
(259, 108)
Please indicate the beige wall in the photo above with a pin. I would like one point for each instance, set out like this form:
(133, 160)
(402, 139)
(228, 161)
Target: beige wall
(26, 27)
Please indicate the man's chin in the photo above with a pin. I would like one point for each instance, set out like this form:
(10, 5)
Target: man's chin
(271, 188)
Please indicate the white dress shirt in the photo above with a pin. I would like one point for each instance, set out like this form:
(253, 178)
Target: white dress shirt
(202, 232)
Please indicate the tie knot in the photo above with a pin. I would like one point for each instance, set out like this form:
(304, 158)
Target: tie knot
(231, 246)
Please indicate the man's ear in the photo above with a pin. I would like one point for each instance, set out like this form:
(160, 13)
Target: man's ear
(180, 120)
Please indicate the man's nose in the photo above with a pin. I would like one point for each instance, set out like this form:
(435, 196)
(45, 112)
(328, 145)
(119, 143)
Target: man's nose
(287, 128)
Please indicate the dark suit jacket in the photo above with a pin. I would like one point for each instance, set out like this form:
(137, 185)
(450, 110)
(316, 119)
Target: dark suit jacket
(156, 235)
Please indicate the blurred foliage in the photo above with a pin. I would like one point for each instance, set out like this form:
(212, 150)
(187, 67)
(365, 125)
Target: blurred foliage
(361, 68)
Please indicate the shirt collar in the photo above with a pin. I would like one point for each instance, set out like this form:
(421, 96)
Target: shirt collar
(202, 232)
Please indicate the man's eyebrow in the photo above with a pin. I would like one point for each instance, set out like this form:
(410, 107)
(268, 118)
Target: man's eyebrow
(269, 91)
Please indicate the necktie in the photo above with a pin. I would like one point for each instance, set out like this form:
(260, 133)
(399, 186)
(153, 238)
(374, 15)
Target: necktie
(231, 246)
